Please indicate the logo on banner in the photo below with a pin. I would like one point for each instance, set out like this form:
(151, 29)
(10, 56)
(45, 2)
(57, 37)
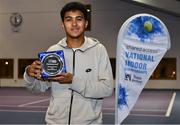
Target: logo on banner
(146, 28)
(127, 77)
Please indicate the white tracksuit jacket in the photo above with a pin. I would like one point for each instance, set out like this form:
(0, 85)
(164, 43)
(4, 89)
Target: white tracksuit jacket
(81, 101)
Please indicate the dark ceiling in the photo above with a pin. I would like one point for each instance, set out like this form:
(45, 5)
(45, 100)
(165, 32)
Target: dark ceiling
(168, 6)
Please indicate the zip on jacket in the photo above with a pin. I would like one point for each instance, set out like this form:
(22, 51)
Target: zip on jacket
(70, 107)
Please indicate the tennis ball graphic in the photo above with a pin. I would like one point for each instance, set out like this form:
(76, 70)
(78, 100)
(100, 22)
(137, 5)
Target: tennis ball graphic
(148, 26)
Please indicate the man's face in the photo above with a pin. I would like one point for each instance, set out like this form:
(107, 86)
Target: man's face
(74, 24)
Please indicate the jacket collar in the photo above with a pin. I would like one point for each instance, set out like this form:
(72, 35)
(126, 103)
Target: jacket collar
(89, 43)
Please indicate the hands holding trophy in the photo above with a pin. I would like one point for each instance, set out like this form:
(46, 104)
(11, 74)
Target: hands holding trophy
(50, 66)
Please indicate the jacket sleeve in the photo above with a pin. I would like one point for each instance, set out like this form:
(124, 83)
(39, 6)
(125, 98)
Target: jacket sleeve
(35, 85)
(103, 87)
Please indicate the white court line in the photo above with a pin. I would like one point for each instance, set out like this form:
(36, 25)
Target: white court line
(109, 113)
(35, 106)
(8, 106)
(16, 96)
(170, 105)
(141, 114)
(105, 113)
(137, 114)
(109, 108)
(14, 106)
(30, 103)
(6, 110)
(150, 110)
(147, 115)
(40, 111)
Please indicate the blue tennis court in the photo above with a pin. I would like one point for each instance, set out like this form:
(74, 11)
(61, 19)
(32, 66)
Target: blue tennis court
(19, 101)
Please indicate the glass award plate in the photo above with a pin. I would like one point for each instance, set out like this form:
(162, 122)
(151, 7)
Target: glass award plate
(53, 63)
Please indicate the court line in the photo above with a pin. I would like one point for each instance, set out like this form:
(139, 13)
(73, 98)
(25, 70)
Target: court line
(102, 108)
(170, 105)
(103, 113)
(30, 103)
(14, 106)
(147, 115)
(152, 110)
(6, 110)
(108, 108)
(35, 106)
(23, 96)
(136, 109)
(8, 105)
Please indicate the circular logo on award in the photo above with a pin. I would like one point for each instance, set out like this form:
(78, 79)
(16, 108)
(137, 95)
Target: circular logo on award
(52, 64)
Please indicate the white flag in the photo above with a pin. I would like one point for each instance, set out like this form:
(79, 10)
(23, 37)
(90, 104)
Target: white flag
(142, 42)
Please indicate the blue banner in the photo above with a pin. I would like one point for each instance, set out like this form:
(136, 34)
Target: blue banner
(142, 42)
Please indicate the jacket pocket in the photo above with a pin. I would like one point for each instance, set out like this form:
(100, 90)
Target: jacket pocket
(52, 109)
(86, 111)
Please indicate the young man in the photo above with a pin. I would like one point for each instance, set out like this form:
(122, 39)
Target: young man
(78, 94)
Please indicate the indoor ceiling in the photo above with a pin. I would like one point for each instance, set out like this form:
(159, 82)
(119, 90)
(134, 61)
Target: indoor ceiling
(168, 6)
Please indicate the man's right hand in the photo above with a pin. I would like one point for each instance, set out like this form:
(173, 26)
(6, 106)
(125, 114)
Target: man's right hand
(34, 70)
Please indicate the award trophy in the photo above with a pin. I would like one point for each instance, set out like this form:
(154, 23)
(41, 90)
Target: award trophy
(53, 63)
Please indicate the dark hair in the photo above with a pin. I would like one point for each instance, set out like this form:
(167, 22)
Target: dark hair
(74, 6)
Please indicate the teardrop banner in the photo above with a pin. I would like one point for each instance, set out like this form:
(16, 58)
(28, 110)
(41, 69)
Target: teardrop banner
(142, 42)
